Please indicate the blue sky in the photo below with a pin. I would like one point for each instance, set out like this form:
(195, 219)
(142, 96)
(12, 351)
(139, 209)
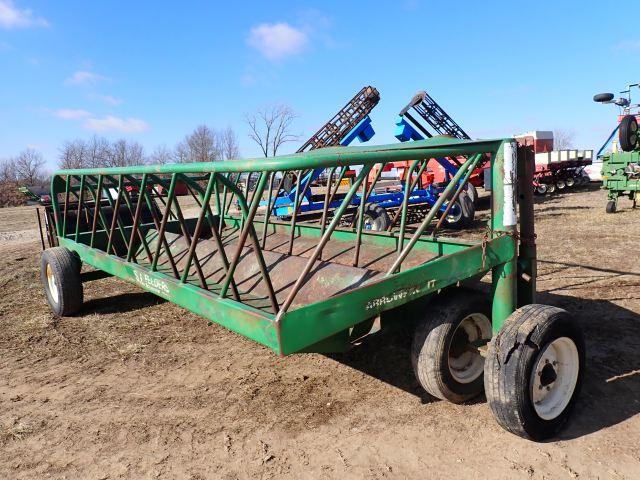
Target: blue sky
(151, 71)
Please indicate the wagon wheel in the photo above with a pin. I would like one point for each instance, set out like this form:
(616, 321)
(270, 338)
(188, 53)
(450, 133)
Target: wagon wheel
(551, 187)
(561, 184)
(60, 276)
(534, 370)
(570, 182)
(444, 352)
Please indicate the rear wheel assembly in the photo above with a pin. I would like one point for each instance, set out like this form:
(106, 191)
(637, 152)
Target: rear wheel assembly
(376, 218)
(534, 370)
(60, 276)
(628, 133)
(444, 352)
(461, 213)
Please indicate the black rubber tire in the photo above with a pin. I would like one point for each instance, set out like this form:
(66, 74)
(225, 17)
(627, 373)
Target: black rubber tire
(611, 207)
(468, 213)
(63, 265)
(570, 182)
(560, 184)
(603, 97)
(432, 340)
(551, 187)
(472, 191)
(377, 216)
(628, 133)
(510, 363)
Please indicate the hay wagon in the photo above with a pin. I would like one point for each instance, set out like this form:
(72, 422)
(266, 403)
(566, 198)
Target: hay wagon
(319, 285)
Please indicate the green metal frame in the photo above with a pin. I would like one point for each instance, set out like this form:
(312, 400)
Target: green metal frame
(614, 179)
(285, 328)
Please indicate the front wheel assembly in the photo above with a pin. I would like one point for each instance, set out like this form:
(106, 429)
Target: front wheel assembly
(534, 370)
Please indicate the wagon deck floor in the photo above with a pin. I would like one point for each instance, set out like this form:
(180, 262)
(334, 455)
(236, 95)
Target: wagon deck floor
(333, 275)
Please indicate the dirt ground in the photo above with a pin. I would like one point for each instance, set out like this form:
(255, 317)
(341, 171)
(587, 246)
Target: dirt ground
(135, 387)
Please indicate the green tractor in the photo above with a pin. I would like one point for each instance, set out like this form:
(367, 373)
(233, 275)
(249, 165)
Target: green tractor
(621, 166)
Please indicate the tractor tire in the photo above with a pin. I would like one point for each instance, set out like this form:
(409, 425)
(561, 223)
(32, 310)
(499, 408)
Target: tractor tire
(462, 213)
(60, 276)
(445, 361)
(628, 133)
(611, 207)
(603, 97)
(534, 370)
(376, 218)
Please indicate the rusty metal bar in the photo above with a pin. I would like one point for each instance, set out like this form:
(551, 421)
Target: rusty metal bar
(161, 240)
(246, 231)
(267, 214)
(136, 221)
(323, 241)
(40, 228)
(97, 210)
(356, 256)
(66, 205)
(428, 219)
(79, 209)
(294, 212)
(163, 225)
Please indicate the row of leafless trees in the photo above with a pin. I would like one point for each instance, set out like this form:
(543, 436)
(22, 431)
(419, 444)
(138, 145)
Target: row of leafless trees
(27, 167)
(204, 144)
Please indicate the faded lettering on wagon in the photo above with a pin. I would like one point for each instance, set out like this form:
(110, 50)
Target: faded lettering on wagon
(148, 282)
(403, 294)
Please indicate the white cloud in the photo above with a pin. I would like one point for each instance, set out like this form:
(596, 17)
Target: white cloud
(113, 101)
(277, 40)
(116, 124)
(12, 17)
(71, 113)
(627, 45)
(84, 77)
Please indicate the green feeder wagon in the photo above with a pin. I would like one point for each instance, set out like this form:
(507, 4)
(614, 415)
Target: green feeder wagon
(322, 283)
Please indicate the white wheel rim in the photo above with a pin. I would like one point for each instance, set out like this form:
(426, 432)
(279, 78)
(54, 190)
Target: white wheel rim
(570, 182)
(561, 184)
(554, 378)
(465, 362)
(53, 286)
(453, 218)
(369, 224)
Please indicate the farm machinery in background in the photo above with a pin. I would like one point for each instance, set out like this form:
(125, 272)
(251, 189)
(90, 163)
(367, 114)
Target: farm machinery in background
(416, 189)
(621, 167)
(556, 170)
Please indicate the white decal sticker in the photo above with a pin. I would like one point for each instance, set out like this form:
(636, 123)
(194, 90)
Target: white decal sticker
(510, 175)
(148, 282)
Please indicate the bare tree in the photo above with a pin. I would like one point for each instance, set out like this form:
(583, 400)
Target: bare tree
(271, 128)
(228, 141)
(563, 139)
(160, 156)
(125, 153)
(96, 152)
(73, 154)
(8, 170)
(203, 145)
(181, 153)
(28, 167)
